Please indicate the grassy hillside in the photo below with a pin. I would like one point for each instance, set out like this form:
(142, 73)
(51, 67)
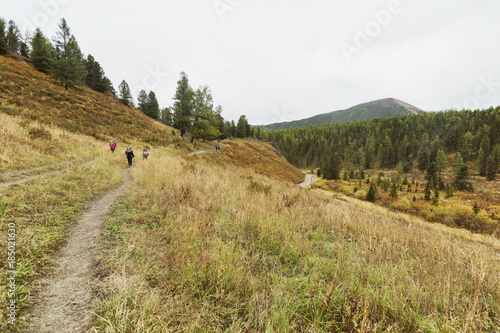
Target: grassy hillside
(258, 156)
(388, 107)
(204, 246)
(32, 95)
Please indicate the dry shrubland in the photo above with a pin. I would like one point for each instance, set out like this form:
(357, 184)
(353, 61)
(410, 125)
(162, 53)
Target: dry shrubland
(195, 247)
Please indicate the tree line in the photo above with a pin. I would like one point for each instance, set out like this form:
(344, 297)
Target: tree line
(414, 141)
(193, 111)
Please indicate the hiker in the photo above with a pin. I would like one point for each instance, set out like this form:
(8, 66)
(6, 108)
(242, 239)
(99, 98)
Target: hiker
(130, 155)
(218, 147)
(145, 154)
(112, 145)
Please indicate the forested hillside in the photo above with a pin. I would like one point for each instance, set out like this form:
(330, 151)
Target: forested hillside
(388, 107)
(413, 140)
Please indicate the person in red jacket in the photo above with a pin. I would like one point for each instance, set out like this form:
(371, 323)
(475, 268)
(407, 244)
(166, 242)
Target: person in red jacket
(112, 145)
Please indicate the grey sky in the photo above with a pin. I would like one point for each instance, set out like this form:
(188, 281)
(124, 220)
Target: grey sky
(279, 60)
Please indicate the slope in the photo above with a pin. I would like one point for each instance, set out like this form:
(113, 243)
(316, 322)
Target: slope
(32, 95)
(388, 107)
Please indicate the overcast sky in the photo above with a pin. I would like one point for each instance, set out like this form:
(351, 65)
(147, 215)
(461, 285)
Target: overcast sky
(280, 60)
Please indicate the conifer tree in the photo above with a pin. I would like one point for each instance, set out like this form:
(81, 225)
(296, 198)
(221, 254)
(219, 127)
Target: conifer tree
(491, 168)
(166, 116)
(13, 37)
(125, 95)
(142, 101)
(3, 41)
(461, 172)
(153, 107)
(372, 192)
(95, 80)
(441, 162)
(242, 127)
(183, 105)
(69, 59)
(41, 53)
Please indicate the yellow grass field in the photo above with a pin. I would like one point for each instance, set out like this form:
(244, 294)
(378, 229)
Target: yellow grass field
(198, 246)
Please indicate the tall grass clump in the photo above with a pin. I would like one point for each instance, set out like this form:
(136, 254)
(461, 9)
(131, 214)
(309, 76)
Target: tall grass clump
(194, 248)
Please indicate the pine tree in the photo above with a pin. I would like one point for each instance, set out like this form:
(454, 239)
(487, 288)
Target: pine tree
(41, 53)
(394, 190)
(153, 107)
(441, 162)
(3, 42)
(183, 105)
(142, 101)
(125, 95)
(491, 168)
(69, 59)
(95, 79)
(13, 37)
(166, 116)
(461, 172)
(242, 127)
(372, 192)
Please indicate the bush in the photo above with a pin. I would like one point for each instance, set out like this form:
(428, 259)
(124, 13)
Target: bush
(39, 133)
(360, 194)
(402, 205)
(259, 187)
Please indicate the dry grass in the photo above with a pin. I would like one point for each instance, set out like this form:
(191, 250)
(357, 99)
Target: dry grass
(25, 145)
(32, 95)
(196, 248)
(43, 211)
(455, 211)
(257, 155)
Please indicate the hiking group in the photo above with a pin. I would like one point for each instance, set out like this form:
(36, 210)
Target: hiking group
(129, 153)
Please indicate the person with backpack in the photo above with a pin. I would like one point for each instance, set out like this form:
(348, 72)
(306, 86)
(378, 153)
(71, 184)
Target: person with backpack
(145, 154)
(130, 155)
(112, 145)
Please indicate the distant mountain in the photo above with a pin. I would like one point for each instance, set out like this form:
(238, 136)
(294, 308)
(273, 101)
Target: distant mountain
(388, 107)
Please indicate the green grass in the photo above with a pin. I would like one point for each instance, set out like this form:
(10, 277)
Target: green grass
(44, 211)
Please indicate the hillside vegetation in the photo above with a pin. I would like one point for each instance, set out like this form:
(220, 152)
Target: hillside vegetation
(204, 246)
(32, 95)
(388, 107)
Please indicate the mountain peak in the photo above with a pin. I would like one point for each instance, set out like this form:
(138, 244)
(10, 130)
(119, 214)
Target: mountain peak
(387, 107)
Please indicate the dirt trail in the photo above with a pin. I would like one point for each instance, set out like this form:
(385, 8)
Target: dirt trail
(65, 302)
(308, 181)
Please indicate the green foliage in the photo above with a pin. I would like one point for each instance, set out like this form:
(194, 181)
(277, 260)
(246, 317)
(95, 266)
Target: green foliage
(243, 127)
(441, 162)
(13, 37)
(183, 105)
(3, 42)
(70, 66)
(476, 208)
(413, 140)
(95, 78)
(125, 94)
(41, 53)
(461, 172)
(394, 191)
(372, 192)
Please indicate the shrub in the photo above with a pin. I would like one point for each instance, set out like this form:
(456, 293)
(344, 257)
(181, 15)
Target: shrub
(360, 194)
(39, 133)
(259, 187)
(401, 204)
